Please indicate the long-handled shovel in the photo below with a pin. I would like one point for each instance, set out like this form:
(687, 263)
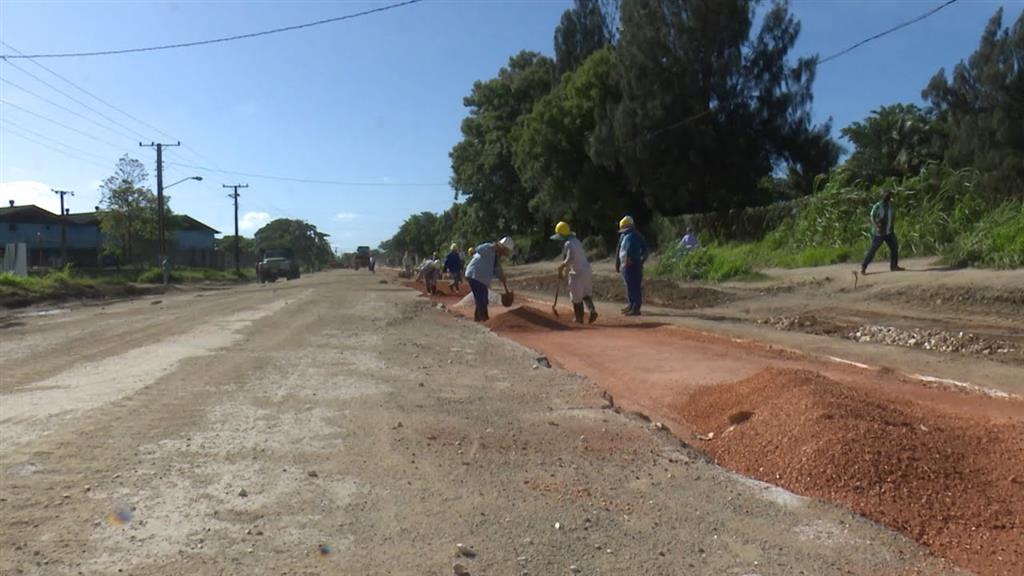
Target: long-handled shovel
(558, 290)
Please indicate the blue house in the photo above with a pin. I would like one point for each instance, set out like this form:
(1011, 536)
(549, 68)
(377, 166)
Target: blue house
(191, 241)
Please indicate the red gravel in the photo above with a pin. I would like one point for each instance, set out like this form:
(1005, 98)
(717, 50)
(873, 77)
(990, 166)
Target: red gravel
(951, 481)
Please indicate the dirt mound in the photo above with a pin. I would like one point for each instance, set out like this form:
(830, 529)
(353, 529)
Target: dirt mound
(657, 291)
(994, 301)
(525, 319)
(951, 482)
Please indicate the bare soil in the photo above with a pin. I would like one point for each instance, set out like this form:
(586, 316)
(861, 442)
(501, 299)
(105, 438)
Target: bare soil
(940, 465)
(336, 425)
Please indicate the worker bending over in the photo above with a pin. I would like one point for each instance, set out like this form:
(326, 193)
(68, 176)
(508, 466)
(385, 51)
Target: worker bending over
(574, 260)
(482, 269)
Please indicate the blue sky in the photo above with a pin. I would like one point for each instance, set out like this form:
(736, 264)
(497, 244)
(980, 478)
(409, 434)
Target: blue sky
(373, 102)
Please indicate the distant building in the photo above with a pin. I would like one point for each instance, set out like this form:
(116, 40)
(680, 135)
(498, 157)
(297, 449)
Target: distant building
(191, 241)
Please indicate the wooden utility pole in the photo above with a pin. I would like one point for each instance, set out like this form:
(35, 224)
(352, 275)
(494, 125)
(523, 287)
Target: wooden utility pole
(160, 196)
(63, 226)
(234, 195)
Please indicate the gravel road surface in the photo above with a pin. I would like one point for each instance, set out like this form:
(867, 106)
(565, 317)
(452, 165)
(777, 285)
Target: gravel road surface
(337, 425)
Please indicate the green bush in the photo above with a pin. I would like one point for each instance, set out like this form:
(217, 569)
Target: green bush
(996, 241)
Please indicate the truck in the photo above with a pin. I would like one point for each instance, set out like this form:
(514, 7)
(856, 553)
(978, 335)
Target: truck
(362, 258)
(278, 263)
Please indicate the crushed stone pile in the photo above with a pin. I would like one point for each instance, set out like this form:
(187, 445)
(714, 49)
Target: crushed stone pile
(952, 482)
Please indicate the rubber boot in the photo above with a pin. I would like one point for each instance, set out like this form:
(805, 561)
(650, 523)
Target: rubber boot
(593, 309)
(577, 309)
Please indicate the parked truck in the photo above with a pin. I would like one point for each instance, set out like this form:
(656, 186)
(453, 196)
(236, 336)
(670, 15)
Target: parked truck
(274, 264)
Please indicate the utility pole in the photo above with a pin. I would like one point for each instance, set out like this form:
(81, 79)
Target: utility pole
(63, 226)
(234, 195)
(160, 201)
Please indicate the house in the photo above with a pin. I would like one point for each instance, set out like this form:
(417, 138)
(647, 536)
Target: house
(189, 240)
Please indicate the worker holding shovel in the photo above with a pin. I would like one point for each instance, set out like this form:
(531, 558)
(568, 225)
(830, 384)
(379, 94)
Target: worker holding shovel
(484, 267)
(574, 260)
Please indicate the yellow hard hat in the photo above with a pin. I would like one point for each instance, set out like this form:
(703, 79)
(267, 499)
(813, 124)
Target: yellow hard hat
(469, 251)
(626, 222)
(562, 231)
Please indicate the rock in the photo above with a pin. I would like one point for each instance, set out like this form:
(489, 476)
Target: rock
(543, 362)
(459, 570)
(575, 569)
(465, 551)
(558, 525)
(313, 474)
(155, 302)
(242, 493)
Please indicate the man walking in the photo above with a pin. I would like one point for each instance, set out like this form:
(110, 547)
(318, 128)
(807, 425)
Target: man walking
(453, 266)
(581, 285)
(629, 260)
(482, 269)
(882, 231)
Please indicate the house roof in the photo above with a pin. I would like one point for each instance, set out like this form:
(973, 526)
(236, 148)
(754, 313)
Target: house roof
(28, 213)
(32, 214)
(85, 218)
(190, 223)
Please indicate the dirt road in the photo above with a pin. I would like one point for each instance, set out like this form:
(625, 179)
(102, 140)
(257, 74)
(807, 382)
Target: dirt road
(336, 425)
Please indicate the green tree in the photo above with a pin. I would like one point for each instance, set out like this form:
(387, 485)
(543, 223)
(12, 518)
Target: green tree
(482, 163)
(129, 216)
(981, 108)
(309, 245)
(710, 107)
(246, 246)
(553, 153)
(584, 29)
(894, 141)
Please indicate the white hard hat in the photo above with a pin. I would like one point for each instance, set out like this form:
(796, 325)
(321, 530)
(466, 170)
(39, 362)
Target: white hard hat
(507, 243)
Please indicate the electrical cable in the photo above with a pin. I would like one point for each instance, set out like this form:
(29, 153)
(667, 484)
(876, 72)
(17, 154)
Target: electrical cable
(69, 96)
(35, 134)
(311, 181)
(885, 32)
(63, 125)
(65, 108)
(8, 130)
(216, 40)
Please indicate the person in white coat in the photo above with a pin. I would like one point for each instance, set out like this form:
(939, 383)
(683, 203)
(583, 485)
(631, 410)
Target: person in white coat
(576, 267)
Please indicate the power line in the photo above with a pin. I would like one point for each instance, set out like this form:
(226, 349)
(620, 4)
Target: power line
(216, 40)
(312, 181)
(61, 124)
(69, 96)
(65, 108)
(44, 145)
(84, 91)
(885, 32)
(35, 134)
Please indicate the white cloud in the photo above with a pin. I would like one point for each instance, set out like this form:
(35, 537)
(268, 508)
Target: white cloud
(346, 216)
(253, 221)
(29, 192)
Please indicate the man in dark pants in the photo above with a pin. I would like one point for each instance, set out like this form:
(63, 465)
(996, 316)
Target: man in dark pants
(882, 231)
(629, 260)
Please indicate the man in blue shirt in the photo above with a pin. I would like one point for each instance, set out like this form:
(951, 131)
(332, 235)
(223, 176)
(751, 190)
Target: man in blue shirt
(453, 266)
(882, 230)
(482, 269)
(629, 259)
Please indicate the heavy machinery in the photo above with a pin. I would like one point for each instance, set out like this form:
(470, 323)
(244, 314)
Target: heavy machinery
(362, 259)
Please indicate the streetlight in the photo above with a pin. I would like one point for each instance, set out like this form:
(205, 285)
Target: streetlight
(196, 178)
(165, 261)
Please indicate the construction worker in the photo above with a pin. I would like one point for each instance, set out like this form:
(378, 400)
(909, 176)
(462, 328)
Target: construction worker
(453, 266)
(482, 269)
(407, 264)
(629, 259)
(574, 259)
(429, 273)
(881, 218)
(689, 241)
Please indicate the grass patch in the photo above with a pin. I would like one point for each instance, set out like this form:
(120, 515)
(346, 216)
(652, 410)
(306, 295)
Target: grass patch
(192, 275)
(54, 284)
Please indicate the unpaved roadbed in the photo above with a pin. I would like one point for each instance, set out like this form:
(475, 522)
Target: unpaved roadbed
(356, 429)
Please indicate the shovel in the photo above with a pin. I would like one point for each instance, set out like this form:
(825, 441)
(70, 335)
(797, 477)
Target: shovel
(558, 289)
